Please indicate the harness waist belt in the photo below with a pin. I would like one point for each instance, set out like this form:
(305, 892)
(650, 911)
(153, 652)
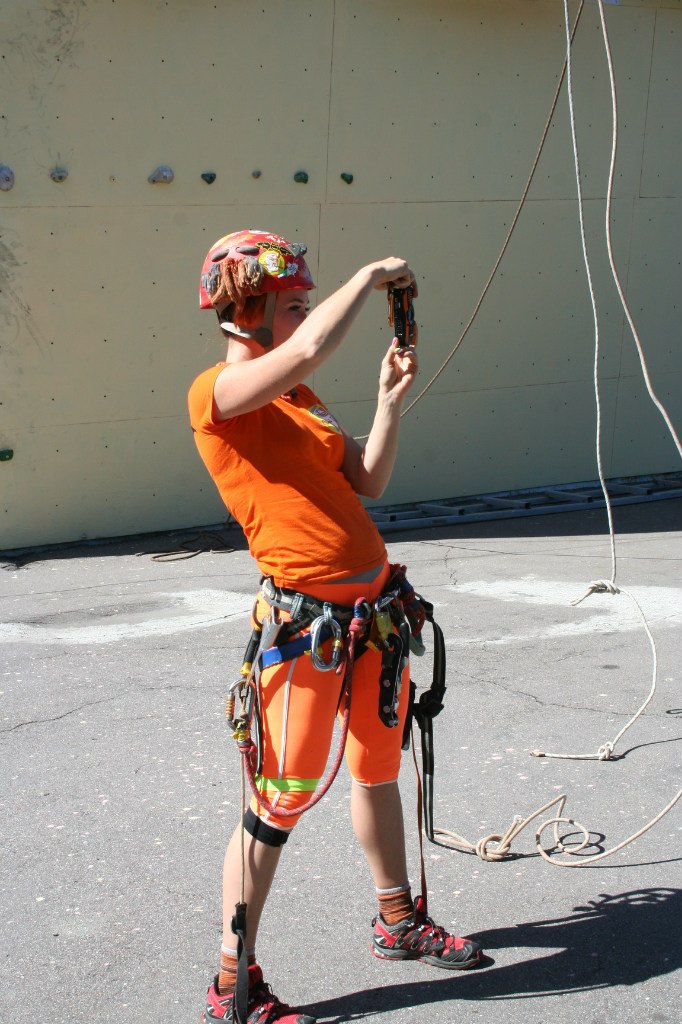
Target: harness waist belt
(301, 605)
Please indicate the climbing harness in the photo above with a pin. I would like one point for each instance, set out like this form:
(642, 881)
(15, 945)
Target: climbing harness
(391, 624)
(242, 732)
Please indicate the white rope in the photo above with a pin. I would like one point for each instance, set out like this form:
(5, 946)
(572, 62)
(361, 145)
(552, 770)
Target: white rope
(612, 262)
(588, 271)
(546, 854)
(601, 586)
(497, 846)
(606, 750)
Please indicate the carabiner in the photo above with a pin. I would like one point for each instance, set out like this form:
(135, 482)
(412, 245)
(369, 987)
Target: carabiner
(242, 690)
(328, 621)
(385, 599)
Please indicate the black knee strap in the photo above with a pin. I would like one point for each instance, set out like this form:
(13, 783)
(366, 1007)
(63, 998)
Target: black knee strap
(263, 832)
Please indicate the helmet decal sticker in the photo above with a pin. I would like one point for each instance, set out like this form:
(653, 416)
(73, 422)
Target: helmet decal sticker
(273, 263)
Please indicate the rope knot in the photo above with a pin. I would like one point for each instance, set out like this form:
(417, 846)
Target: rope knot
(598, 587)
(501, 853)
(605, 751)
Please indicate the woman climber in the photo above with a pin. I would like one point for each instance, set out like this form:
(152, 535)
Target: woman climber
(291, 476)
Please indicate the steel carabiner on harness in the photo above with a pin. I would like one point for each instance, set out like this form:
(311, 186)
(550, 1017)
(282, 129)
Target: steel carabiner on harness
(242, 690)
(326, 620)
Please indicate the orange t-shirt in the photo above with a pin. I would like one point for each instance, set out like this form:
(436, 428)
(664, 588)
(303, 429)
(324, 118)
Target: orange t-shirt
(278, 470)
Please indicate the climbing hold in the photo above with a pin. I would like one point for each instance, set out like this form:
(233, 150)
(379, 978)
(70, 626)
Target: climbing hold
(59, 174)
(6, 178)
(301, 177)
(209, 177)
(163, 175)
(256, 174)
(347, 177)
(6, 454)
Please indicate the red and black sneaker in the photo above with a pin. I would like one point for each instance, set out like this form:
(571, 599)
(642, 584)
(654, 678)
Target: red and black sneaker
(418, 938)
(264, 1007)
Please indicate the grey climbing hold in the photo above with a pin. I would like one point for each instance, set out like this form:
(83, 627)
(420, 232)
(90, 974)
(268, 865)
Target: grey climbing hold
(301, 177)
(209, 177)
(6, 178)
(59, 174)
(347, 177)
(163, 175)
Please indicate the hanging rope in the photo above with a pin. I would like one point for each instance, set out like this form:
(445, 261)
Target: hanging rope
(612, 262)
(505, 244)
(497, 846)
(606, 586)
(513, 224)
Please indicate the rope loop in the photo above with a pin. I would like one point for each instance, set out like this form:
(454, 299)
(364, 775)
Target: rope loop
(558, 844)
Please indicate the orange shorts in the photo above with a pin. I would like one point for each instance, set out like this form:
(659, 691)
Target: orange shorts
(298, 707)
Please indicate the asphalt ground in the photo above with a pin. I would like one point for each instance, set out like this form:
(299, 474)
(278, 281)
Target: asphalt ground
(121, 785)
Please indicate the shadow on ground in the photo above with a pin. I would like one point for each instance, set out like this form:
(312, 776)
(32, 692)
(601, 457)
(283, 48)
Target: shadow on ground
(623, 939)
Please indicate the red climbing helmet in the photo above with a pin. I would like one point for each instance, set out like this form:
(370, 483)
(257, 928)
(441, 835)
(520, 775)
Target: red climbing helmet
(248, 263)
(270, 264)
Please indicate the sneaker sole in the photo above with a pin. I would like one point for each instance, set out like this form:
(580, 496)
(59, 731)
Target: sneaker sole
(434, 961)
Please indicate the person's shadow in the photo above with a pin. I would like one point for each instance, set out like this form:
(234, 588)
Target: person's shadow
(623, 939)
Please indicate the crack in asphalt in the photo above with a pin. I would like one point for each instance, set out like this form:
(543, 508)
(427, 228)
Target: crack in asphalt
(553, 704)
(523, 553)
(65, 714)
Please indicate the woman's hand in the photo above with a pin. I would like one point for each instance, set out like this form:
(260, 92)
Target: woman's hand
(368, 469)
(398, 369)
(392, 270)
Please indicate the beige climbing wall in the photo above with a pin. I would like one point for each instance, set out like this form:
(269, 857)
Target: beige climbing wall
(436, 109)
